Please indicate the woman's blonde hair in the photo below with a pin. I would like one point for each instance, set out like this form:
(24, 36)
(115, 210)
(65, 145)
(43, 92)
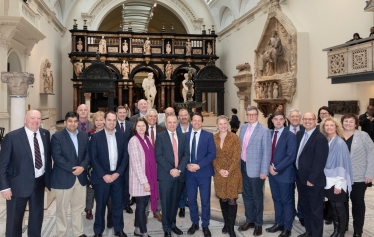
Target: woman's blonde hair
(95, 116)
(221, 117)
(338, 125)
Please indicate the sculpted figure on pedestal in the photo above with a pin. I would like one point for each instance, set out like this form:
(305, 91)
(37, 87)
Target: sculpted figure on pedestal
(188, 48)
(80, 45)
(125, 46)
(147, 46)
(275, 91)
(270, 57)
(185, 88)
(209, 49)
(149, 90)
(47, 78)
(102, 45)
(78, 68)
(169, 70)
(168, 48)
(125, 70)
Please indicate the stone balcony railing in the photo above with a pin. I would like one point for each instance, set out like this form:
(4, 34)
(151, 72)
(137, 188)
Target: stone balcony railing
(18, 8)
(351, 62)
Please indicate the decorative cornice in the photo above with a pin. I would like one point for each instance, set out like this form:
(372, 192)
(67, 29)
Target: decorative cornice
(51, 16)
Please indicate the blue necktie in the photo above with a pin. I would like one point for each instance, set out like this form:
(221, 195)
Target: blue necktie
(193, 149)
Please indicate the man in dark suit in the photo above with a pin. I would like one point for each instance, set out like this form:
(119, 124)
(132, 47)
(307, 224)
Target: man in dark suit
(311, 159)
(367, 121)
(295, 118)
(109, 159)
(25, 171)
(69, 149)
(153, 130)
(84, 123)
(125, 127)
(199, 173)
(172, 156)
(282, 175)
(142, 107)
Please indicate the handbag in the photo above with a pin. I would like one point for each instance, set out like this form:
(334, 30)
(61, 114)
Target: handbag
(327, 211)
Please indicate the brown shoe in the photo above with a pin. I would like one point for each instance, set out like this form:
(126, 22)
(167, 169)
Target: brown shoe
(158, 217)
(246, 226)
(257, 231)
(89, 215)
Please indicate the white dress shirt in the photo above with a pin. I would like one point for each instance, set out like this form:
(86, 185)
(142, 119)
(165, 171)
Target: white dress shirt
(112, 149)
(30, 137)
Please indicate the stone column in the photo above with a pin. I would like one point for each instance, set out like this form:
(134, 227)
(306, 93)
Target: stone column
(75, 97)
(158, 98)
(130, 97)
(163, 96)
(17, 82)
(243, 80)
(203, 98)
(172, 99)
(168, 96)
(120, 88)
(4, 114)
(213, 103)
(87, 98)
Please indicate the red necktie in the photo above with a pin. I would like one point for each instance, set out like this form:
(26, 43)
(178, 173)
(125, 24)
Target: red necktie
(294, 130)
(273, 147)
(153, 137)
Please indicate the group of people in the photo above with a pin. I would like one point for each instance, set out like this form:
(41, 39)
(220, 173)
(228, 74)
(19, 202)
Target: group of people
(356, 36)
(109, 158)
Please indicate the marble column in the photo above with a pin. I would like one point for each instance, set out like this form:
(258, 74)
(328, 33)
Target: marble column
(4, 114)
(17, 82)
(120, 88)
(172, 96)
(87, 98)
(163, 97)
(158, 98)
(203, 98)
(130, 98)
(168, 96)
(213, 103)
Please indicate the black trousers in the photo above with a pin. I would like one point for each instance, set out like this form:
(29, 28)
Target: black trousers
(358, 206)
(126, 194)
(170, 192)
(16, 209)
(140, 218)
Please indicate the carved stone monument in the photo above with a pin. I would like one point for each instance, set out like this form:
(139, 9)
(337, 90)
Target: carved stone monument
(46, 77)
(185, 88)
(18, 83)
(209, 49)
(243, 80)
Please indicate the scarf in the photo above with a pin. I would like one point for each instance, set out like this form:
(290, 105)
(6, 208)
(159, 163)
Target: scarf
(150, 169)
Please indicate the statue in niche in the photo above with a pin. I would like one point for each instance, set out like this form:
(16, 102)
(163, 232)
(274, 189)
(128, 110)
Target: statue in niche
(185, 88)
(102, 45)
(149, 90)
(260, 63)
(262, 92)
(125, 46)
(275, 91)
(47, 86)
(169, 70)
(209, 49)
(147, 46)
(188, 48)
(78, 68)
(80, 45)
(125, 69)
(271, 55)
(269, 91)
(258, 92)
(168, 48)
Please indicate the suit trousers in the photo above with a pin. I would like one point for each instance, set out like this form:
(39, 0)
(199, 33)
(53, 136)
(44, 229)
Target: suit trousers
(140, 217)
(193, 184)
(284, 204)
(158, 210)
(183, 199)
(357, 196)
(311, 201)
(253, 197)
(102, 193)
(169, 192)
(126, 193)
(90, 198)
(75, 198)
(16, 210)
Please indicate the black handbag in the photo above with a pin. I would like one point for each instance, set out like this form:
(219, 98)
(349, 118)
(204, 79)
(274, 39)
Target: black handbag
(327, 211)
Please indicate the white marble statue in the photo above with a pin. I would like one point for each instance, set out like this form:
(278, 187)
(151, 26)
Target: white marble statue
(168, 48)
(169, 70)
(185, 88)
(80, 45)
(188, 48)
(125, 46)
(149, 90)
(147, 46)
(78, 68)
(209, 49)
(269, 91)
(262, 92)
(275, 91)
(102, 45)
(125, 69)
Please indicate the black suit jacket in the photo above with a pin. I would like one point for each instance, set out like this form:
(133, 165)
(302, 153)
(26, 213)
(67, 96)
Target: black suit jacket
(17, 164)
(312, 159)
(165, 156)
(128, 129)
(99, 156)
(65, 158)
(133, 118)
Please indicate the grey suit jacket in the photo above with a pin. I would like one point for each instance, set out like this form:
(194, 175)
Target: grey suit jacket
(362, 156)
(258, 152)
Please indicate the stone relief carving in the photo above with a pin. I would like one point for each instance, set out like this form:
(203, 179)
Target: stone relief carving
(360, 59)
(161, 67)
(46, 77)
(17, 82)
(337, 63)
(343, 107)
(113, 49)
(276, 58)
(78, 68)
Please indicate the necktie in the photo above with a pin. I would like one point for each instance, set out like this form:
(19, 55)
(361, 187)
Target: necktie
(273, 147)
(175, 150)
(153, 136)
(38, 157)
(301, 149)
(83, 127)
(122, 128)
(294, 130)
(247, 136)
(193, 149)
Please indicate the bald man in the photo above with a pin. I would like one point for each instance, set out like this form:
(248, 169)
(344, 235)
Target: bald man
(25, 171)
(84, 123)
(142, 107)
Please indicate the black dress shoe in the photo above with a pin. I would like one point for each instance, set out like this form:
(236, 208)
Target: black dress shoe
(274, 228)
(306, 234)
(302, 222)
(285, 233)
(328, 222)
(132, 201)
(357, 234)
(120, 234)
(128, 209)
(206, 232)
(83, 235)
(167, 234)
(177, 231)
(246, 226)
(182, 212)
(257, 231)
(192, 229)
(98, 235)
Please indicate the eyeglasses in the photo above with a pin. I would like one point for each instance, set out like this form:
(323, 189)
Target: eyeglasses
(252, 115)
(308, 119)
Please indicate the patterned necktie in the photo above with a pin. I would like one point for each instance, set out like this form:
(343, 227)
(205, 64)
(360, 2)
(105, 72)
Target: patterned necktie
(153, 136)
(38, 157)
(247, 136)
(294, 130)
(273, 147)
(301, 149)
(193, 149)
(83, 127)
(122, 128)
(175, 150)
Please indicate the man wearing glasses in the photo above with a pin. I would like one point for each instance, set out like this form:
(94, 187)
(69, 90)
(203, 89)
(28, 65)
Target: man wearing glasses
(312, 152)
(255, 162)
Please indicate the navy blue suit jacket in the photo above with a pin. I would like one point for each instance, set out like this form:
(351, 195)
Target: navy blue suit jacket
(99, 156)
(165, 156)
(312, 159)
(65, 158)
(17, 164)
(206, 153)
(284, 157)
(128, 129)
